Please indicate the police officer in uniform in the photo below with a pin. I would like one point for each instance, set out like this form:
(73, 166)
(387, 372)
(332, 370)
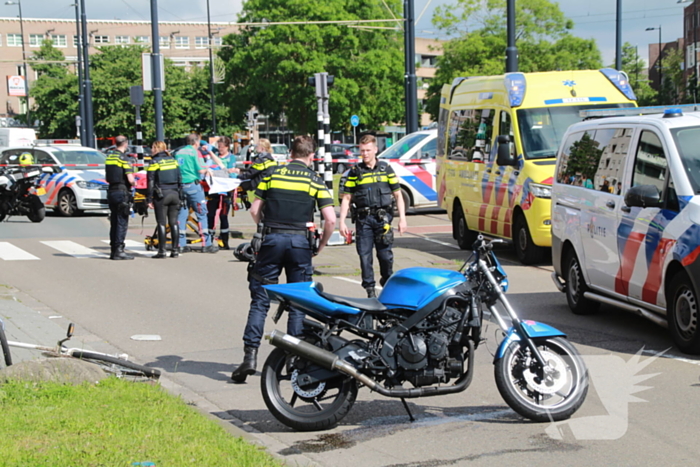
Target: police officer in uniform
(163, 196)
(262, 165)
(284, 203)
(120, 176)
(372, 186)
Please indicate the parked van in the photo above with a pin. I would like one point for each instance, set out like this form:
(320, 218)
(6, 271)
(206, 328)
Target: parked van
(13, 137)
(520, 119)
(626, 217)
(413, 160)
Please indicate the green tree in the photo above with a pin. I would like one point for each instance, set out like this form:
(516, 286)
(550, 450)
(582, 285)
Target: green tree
(55, 94)
(269, 67)
(673, 86)
(543, 39)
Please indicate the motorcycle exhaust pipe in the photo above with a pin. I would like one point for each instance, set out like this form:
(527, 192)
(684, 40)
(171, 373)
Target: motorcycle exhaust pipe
(324, 358)
(330, 361)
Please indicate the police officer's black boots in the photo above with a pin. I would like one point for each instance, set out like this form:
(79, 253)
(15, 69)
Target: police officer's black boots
(119, 254)
(224, 240)
(175, 241)
(250, 361)
(161, 242)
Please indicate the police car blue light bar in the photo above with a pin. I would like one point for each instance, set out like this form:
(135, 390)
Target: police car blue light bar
(632, 111)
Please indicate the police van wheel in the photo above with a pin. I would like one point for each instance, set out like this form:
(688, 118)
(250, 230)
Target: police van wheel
(66, 204)
(576, 287)
(465, 237)
(527, 251)
(683, 311)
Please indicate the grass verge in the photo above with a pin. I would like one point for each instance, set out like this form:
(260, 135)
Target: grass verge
(112, 423)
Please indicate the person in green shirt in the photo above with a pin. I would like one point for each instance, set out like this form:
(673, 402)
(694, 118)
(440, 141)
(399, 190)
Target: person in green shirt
(192, 169)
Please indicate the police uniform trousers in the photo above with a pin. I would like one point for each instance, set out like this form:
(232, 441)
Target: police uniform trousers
(118, 199)
(194, 195)
(279, 251)
(367, 230)
(167, 209)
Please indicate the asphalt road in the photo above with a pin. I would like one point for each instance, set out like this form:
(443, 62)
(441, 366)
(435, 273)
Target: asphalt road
(197, 305)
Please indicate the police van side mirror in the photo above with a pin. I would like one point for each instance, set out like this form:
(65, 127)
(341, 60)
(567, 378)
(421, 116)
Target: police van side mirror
(505, 156)
(643, 196)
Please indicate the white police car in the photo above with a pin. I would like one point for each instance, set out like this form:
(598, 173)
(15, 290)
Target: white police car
(626, 216)
(413, 160)
(79, 186)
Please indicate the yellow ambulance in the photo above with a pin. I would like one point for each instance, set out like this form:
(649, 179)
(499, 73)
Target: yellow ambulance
(497, 143)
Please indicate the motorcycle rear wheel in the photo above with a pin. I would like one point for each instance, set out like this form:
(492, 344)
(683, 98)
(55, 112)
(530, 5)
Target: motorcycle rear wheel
(314, 408)
(518, 381)
(37, 211)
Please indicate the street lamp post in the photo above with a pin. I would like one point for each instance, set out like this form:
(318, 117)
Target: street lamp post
(211, 75)
(24, 58)
(81, 94)
(661, 73)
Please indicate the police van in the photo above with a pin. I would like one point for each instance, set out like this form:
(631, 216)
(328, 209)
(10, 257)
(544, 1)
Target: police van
(626, 216)
(80, 183)
(527, 114)
(413, 160)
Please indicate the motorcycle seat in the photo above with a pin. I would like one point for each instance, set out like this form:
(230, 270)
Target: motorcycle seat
(367, 304)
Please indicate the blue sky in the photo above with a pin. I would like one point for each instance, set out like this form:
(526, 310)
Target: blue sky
(593, 18)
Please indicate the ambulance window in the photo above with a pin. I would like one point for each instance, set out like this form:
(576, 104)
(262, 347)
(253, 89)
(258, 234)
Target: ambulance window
(459, 129)
(471, 132)
(650, 165)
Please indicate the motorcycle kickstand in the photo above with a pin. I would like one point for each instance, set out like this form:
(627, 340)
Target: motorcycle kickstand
(408, 411)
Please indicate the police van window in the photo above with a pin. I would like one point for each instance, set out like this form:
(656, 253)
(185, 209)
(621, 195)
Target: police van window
(651, 168)
(570, 169)
(428, 150)
(686, 140)
(43, 157)
(612, 145)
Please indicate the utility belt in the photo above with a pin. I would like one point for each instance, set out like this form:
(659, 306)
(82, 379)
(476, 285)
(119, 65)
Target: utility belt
(311, 234)
(380, 213)
(118, 187)
(269, 230)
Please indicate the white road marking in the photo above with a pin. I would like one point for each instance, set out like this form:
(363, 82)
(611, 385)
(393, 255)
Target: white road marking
(138, 247)
(74, 249)
(672, 357)
(9, 252)
(378, 287)
(439, 242)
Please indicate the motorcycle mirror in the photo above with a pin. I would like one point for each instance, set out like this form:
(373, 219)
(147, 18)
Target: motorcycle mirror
(47, 170)
(71, 329)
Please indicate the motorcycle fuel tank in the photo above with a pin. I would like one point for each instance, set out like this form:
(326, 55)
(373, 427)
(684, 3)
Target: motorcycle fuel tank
(413, 288)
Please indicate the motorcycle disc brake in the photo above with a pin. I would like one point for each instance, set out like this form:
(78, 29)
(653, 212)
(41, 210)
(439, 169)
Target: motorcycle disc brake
(554, 381)
(310, 394)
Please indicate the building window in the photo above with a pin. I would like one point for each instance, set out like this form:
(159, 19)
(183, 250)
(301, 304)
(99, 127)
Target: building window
(122, 39)
(164, 42)
(0, 39)
(142, 39)
(14, 40)
(75, 40)
(182, 42)
(426, 61)
(59, 40)
(35, 40)
(217, 41)
(201, 42)
(100, 39)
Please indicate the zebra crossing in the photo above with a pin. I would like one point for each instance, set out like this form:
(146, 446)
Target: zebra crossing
(11, 252)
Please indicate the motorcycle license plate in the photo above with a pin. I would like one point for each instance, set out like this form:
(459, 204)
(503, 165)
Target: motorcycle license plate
(40, 191)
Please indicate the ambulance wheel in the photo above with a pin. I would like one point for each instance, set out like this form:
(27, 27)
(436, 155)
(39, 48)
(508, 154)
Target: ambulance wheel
(682, 303)
(465, 237)
(527, 251)
(576, 287)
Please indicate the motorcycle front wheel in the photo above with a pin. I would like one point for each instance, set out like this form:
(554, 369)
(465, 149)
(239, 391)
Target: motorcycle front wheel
(551, 398)
(314, 407)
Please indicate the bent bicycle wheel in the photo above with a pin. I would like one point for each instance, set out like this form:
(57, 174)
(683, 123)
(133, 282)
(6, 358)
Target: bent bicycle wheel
(117, 366)
(5, 347)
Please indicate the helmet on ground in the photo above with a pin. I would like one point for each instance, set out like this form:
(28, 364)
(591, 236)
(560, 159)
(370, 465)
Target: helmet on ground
(244, 252)
(26, 158)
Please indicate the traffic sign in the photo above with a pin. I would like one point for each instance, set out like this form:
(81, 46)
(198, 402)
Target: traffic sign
(354, 120)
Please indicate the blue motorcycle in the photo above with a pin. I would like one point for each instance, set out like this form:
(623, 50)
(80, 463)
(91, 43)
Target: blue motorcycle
(415, 339)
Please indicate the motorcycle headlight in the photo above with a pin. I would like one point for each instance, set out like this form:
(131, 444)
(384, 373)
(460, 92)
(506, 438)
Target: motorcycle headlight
(541, 191)
(89, 185)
